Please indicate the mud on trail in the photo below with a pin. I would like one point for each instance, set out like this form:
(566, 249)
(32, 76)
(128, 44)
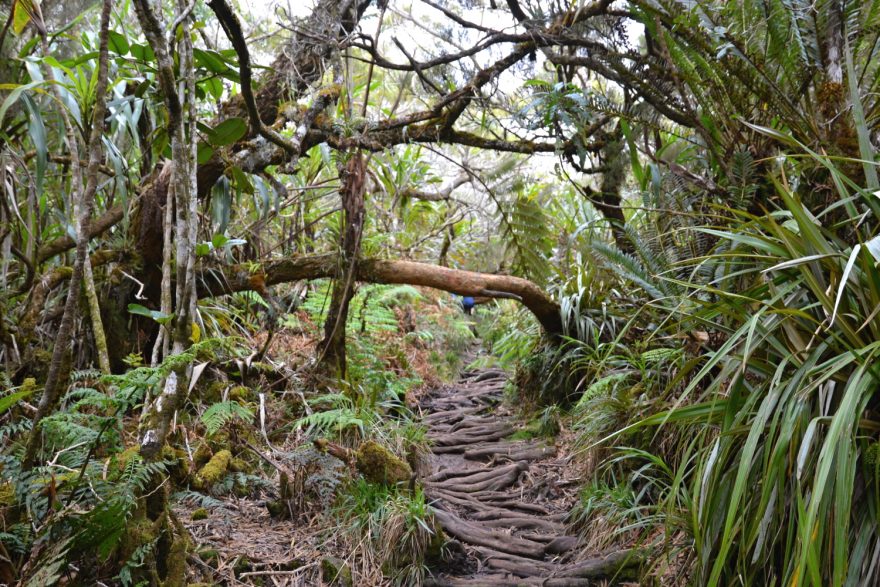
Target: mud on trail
(504, 503)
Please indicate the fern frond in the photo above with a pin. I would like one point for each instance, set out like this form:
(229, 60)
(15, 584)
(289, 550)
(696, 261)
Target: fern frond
(334, 421)
(629, 268)
(198, 499)
(525, 230)
(217, 415)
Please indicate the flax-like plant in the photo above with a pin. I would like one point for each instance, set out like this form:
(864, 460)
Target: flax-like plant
(784, 489)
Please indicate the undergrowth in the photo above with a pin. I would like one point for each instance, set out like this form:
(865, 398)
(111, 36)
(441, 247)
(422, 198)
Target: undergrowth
(389, 530)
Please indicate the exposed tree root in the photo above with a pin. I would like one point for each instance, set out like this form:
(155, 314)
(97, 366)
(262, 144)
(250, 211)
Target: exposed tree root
(516, 565)
(495, 539)
(607, 565)
(512, 452)
(448, 478)
(487, 506)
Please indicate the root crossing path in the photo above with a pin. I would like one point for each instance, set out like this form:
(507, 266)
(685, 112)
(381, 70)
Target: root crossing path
(500, 500)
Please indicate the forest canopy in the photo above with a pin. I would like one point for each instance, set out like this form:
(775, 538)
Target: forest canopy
(247, 248)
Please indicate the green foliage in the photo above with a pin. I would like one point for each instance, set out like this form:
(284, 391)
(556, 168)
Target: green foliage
(757, 442)
(718, 352)
(93, 498)
(218, 414)
(241, 484)
(334, 420)
(797, 404)
(509, 332)
(8, 401)
(393, 527)
(526, 230)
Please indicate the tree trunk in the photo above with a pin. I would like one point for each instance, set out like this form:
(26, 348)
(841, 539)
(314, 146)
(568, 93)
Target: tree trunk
(83, 196)
(180, 103)
(608, 200)
(331, 351)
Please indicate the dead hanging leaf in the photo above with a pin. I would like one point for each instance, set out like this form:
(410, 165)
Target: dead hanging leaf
(196, 373)
(24, 12)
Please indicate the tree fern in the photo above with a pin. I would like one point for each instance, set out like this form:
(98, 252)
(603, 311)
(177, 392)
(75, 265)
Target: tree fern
(628, 267)
(525, 231)
(742, 178)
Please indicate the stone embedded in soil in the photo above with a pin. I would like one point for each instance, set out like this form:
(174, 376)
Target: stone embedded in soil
(335, 572)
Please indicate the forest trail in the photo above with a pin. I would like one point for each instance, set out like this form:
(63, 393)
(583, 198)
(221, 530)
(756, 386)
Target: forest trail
(503, 502)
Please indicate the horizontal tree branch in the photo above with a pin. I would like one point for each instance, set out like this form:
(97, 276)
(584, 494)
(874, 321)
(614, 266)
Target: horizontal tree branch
(440, 195)
(64, 243)
(217, 281)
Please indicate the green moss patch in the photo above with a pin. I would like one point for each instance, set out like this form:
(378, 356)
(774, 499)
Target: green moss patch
(379, 465)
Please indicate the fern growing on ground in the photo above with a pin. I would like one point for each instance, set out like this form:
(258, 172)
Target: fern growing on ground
(218, 414)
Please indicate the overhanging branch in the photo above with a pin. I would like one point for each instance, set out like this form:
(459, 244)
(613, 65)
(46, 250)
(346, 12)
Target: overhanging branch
(231, 279)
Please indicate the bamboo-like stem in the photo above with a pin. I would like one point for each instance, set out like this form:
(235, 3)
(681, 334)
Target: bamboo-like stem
(95, 314)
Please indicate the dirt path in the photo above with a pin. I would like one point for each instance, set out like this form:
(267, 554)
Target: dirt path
(504, 502)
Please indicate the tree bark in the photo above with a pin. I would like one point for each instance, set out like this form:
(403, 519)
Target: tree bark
(83, 196)
(296, 68)
(180, 104)
(219, 281)
(95, 315)
(331, 350)
(608, 200)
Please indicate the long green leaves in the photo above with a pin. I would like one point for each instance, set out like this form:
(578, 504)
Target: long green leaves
(779, 486)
